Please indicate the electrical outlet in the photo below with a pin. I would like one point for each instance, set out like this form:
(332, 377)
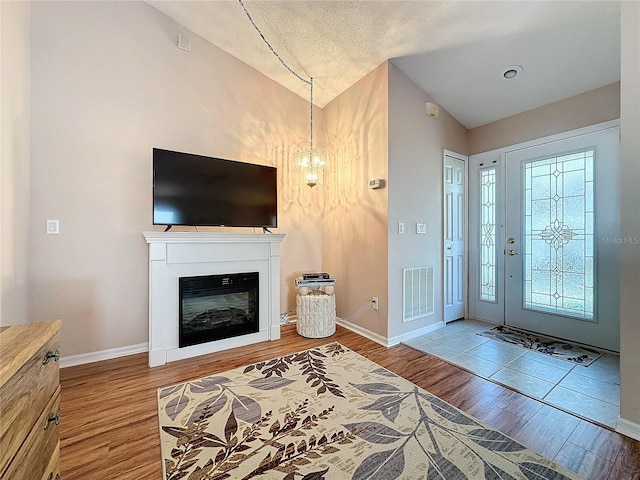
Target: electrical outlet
(421, 228)
(374, 302)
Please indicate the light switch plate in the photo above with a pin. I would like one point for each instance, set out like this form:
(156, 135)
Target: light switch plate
(421, 228)
(184, 42)
(53, 227)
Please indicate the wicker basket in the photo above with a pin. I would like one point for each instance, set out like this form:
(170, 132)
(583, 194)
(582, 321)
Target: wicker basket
(316, 315)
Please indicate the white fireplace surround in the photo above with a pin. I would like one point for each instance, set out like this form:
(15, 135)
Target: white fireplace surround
(188, 254)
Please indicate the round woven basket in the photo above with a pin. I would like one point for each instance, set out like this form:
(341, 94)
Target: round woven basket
(316, 315)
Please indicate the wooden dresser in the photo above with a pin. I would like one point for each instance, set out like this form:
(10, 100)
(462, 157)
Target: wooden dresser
(29, 402)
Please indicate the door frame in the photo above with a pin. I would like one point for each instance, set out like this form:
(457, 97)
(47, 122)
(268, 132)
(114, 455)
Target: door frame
(465, 236)
(499, 155)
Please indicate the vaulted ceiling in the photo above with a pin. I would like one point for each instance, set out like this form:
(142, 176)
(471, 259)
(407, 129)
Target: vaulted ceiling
(456, 51)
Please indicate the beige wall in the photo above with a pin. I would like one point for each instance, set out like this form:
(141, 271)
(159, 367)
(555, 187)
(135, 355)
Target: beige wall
(630, 216)
(416, 143)
(354, 225)
(108, 85)
(14, 161)
(589, 108)
(378, 128)
(99, 105)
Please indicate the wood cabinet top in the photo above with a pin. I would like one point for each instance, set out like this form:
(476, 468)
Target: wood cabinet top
(18, 343)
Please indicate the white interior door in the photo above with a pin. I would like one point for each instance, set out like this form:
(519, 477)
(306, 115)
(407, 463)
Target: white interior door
(561, 226)
(454, 236)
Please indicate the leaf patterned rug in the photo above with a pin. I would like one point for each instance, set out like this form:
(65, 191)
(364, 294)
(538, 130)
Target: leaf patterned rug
(561, 349)
(329, 413)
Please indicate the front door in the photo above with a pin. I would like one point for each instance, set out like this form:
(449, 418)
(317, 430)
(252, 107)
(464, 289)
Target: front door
(544, 236)
(560, 245)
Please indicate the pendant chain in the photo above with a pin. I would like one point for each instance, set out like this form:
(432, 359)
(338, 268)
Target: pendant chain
(298, 76)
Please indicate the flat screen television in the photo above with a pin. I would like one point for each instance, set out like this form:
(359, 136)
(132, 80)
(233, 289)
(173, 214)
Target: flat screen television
(196, 190)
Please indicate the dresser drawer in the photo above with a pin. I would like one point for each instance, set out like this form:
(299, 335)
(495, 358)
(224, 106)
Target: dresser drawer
(41, 444)
(23, 399)
(53, 468)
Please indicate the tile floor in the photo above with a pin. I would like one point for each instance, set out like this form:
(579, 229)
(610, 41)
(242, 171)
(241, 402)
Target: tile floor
(591, 392)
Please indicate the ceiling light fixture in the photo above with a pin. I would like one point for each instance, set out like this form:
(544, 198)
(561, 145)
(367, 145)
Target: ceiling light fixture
(511, 72)
(311, 160)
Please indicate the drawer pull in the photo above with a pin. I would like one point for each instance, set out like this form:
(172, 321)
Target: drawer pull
(53, 419)
(55, 356)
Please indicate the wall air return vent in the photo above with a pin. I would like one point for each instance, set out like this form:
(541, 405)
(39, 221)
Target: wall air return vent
(417, 293)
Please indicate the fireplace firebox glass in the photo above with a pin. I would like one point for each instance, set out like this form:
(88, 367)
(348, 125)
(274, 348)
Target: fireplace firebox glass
(215, 307)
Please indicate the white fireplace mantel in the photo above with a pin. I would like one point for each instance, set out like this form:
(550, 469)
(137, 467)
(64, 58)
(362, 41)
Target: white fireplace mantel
(184, 254)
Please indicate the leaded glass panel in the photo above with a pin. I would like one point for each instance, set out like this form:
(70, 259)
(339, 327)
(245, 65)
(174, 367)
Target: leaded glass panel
(488, 235)
(558, 234)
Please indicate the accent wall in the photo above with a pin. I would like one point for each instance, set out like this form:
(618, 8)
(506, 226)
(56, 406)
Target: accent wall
(589, 108)
(378, 129)
(108, 85)
(355, 217)
(416, 144)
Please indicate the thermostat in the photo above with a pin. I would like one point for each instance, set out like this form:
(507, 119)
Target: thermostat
(375, 183)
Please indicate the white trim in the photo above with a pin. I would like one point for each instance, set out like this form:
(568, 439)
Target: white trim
(628, 428)
(82, 358)
(211, 237)
(416, 333)
(492, 321)
(456, 155)
(499, 155)
(363, 331)
(388, 342)
(292, 319)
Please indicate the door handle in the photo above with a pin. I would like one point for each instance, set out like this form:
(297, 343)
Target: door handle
(512, 253)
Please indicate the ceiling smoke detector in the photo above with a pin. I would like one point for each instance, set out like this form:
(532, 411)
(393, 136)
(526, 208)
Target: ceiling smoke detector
(511, 72)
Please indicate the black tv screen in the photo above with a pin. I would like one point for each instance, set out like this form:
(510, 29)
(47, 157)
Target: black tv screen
(195, 190)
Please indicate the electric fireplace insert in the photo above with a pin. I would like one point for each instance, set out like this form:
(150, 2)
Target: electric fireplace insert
(215, 307)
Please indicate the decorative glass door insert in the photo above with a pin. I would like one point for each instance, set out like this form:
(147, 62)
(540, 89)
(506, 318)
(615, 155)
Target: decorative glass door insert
(488, 272)
(558, 253)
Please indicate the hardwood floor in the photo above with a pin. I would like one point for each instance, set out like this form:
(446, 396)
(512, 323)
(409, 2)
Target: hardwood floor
(109, 427)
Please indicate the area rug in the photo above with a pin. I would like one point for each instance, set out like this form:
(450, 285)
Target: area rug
(329, 413)
(550, 346)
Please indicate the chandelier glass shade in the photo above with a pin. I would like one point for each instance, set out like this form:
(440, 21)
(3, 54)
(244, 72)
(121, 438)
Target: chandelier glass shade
(312, 161)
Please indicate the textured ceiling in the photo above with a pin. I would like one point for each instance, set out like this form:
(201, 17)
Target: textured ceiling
(455, 50)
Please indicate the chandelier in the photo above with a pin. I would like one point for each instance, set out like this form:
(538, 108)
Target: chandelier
(311, 160)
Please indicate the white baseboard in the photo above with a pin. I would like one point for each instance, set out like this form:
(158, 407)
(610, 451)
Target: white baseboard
(363, 331)
(415, 333)
(82, 358)
(291, 320)
(384, 341)
(628, 428)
